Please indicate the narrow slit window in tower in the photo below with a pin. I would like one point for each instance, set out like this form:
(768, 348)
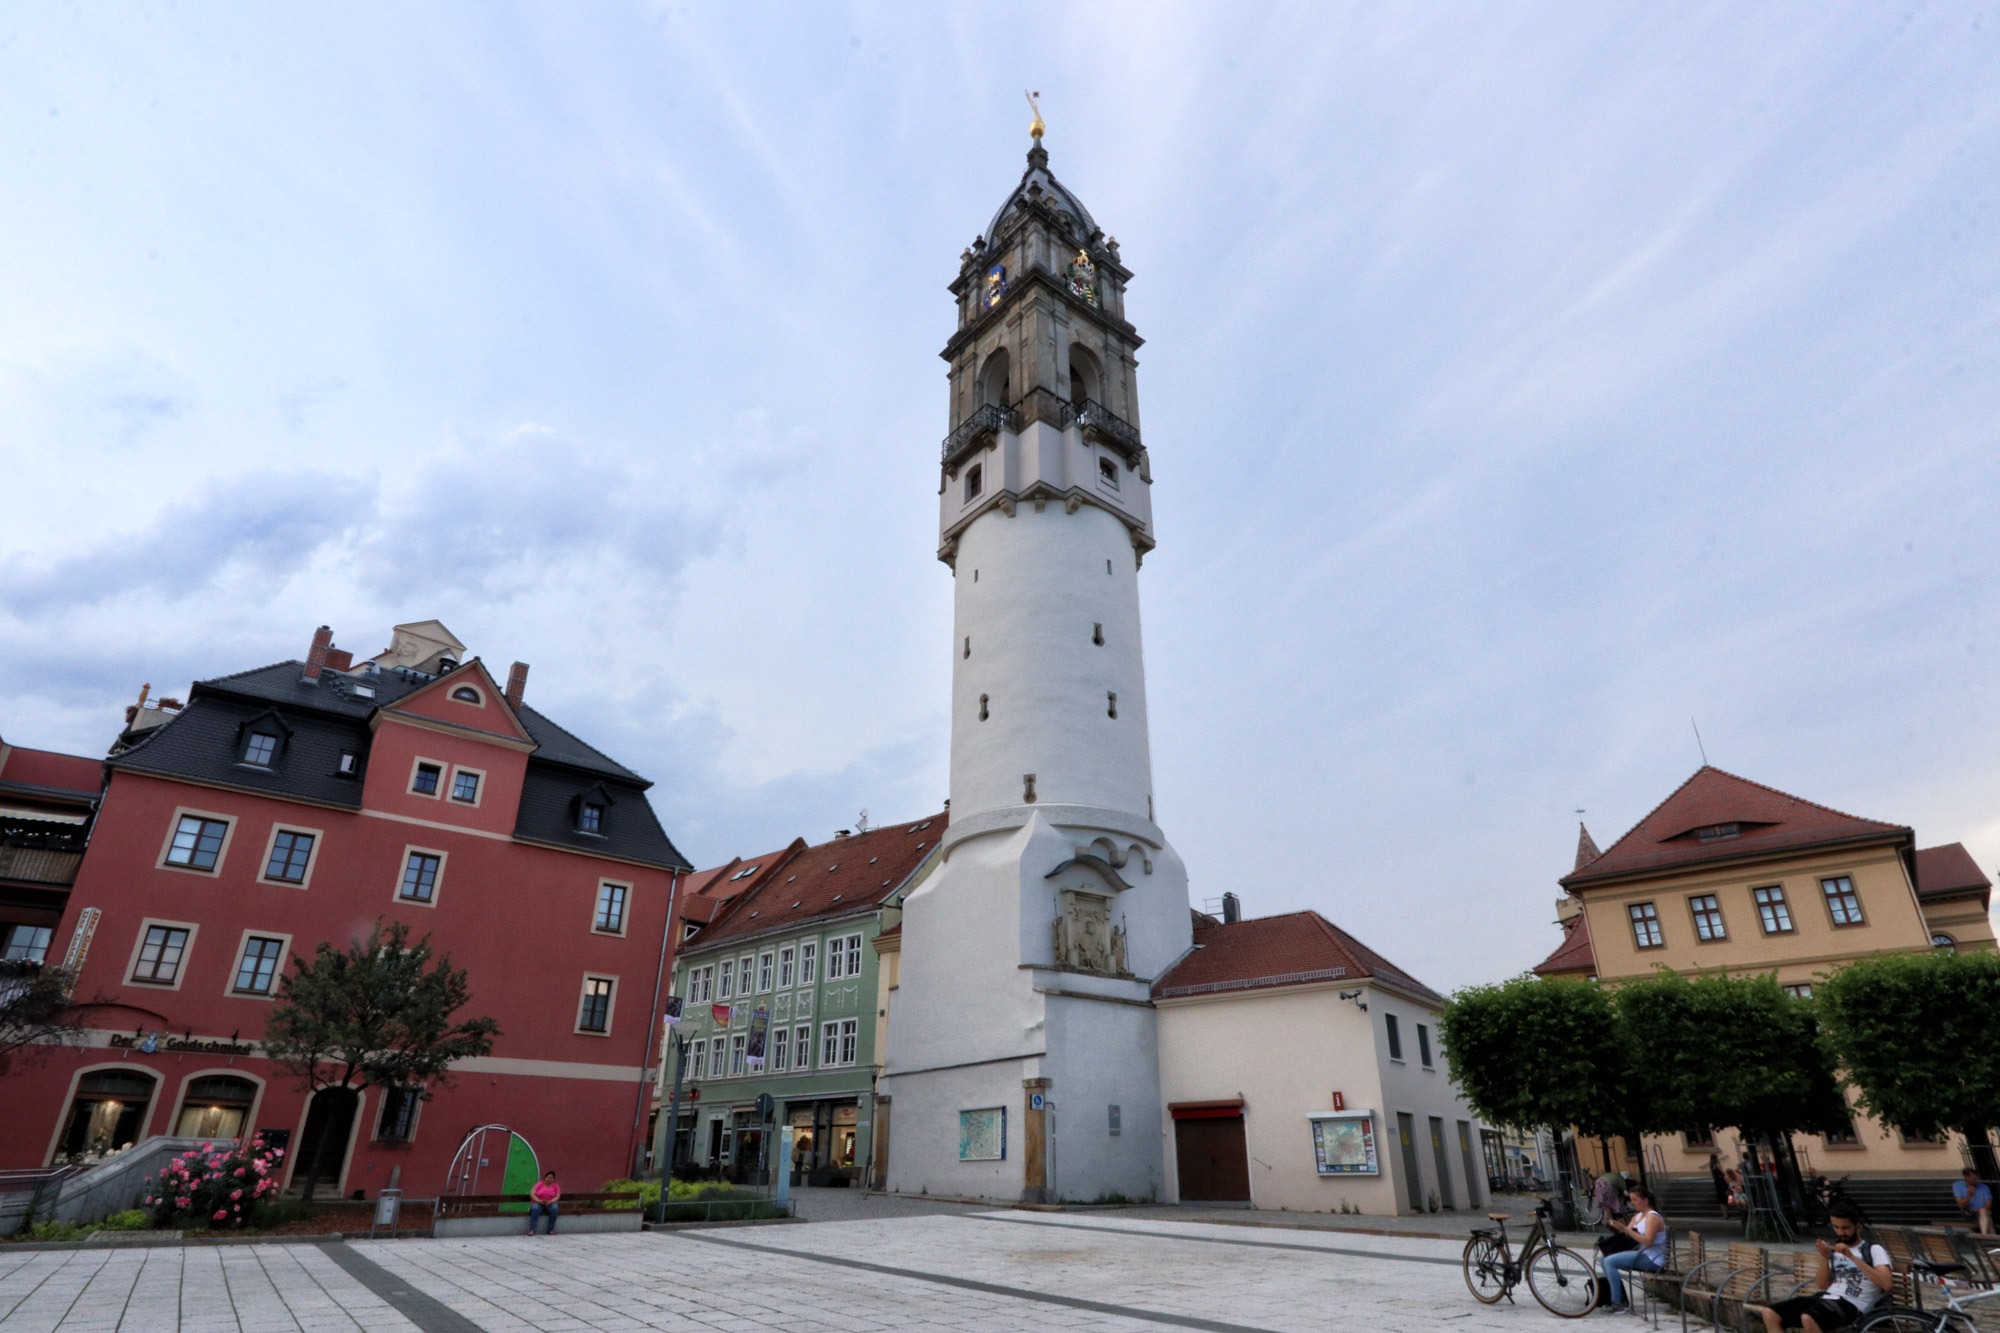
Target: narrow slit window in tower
(975, 482)
(968, 645)
(1097, 634)
(1107, 472)
(1107, 565)
(1112, 706)
(982, 708)
(1028, 788)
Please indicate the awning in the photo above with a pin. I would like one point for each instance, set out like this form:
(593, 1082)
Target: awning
(1223, 1110)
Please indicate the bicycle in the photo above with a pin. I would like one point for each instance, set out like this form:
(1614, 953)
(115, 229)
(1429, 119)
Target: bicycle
(1560, 1278)
(1955, 1317)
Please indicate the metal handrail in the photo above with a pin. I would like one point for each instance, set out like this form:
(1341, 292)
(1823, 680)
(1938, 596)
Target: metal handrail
(984, 421)
(1099, 422)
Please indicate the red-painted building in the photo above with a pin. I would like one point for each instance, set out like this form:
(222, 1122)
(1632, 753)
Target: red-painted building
(302, 802)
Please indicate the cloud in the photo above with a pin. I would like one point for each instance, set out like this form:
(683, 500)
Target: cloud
(257, 528)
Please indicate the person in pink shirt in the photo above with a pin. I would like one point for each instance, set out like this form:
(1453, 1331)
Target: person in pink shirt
(544, 1194)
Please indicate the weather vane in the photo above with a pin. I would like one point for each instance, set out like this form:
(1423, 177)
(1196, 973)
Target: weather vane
(1035, 127)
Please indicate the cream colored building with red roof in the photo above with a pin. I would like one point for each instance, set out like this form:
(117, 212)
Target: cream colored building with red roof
(1727, 873)
(1301, 1070)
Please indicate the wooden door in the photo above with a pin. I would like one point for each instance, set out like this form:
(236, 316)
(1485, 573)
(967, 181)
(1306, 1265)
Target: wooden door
(1213, 1158)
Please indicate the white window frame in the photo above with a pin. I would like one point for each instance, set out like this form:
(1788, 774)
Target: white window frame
(132, 977)
(718, 1056)
(610, 1005)
(850, 1040)
(701, 984)
(264, 876)
(785, 969)
(829, 1043)
(697, 1058)
(478, 776)
(174, 827)
(781, 1049)
(739, 1044)
(443, 783)
(235, 969)
(725, 980)
(802, 1047)
(403, 870)
(624, 908)
(744, 975)
(478, 699)
(808, 962)
(766, 969)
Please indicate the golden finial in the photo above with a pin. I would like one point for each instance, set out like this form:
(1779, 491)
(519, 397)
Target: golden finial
(1035, 127)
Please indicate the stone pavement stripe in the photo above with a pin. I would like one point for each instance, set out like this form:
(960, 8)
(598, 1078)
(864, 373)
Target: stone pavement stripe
(990, 1288)
(427, 1312)
(1223, 1240)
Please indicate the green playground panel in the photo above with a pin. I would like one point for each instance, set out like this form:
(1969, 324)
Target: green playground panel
(523, 1170)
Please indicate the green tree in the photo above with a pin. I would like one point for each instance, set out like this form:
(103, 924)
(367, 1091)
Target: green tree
(1918, 1036)
(378, 1014)
(1725, 1050)
(1529, 1053)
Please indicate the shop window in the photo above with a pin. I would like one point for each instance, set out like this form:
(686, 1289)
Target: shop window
(107, 1113)
(217, 1106)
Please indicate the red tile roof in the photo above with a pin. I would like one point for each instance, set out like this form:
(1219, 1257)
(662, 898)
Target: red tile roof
(705, 893)
(1766, 820)
(48, 768)
(1949, 869)
(1574, 955)
(1293, 949)
(832, 879)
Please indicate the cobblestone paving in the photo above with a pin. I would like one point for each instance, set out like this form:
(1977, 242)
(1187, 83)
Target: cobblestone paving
(969, 1273)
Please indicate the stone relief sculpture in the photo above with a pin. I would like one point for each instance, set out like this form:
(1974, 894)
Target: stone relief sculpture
(1083, 937)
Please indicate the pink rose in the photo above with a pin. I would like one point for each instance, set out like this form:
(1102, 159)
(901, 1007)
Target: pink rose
(239, 1170)
(221, 1213)
(182, 1202)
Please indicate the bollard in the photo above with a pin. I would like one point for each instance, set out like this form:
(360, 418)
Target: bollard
(785, 1166)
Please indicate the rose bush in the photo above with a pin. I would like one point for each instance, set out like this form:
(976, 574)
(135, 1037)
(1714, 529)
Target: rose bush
(215, 1185)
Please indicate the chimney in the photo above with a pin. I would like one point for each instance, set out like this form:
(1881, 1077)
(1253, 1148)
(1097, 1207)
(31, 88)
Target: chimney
(340, 659)
(316, 659)
(517, 684)
(1232, 909)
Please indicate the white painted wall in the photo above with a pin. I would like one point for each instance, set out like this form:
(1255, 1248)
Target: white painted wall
(1285, 1051)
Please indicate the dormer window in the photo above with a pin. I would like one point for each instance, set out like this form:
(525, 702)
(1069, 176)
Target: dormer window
(590, 819)
(1718, 832)
(260, 749)
(348, 764)
(465, 694)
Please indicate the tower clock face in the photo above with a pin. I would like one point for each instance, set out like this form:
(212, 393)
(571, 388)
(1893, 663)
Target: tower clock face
(1083, 278)
(996, 286)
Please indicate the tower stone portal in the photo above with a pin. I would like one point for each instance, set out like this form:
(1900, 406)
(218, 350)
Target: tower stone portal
(1022, 1059)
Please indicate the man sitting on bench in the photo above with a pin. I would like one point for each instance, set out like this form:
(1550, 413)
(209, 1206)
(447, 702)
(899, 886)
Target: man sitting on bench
(1976, 1199)
(1852, 1277)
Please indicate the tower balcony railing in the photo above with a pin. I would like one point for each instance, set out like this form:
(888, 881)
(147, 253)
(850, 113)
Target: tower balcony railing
(1101, 425)
(1098, 423)
(984, 425)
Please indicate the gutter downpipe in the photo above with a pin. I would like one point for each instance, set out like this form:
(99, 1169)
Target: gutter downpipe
(653, 1017)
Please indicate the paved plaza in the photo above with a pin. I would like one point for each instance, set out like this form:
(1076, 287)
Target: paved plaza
(967, 1271)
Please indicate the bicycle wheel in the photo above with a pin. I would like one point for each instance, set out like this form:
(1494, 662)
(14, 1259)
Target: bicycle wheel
(1587, 1211)
(1485, 1269)
(1563, 1281)
(1902, 1319)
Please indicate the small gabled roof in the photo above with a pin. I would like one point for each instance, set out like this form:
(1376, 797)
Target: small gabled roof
(1949, 870)
(1715, 816)
(1574, 956)
(1293, 949)
(834, 879)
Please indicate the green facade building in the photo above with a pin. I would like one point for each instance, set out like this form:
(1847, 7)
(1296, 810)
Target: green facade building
(785, 945)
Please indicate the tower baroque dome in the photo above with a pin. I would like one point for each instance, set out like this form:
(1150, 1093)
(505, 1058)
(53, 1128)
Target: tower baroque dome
(1038, 184)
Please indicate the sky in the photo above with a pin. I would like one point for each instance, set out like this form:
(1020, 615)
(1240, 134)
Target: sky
(1525, 386)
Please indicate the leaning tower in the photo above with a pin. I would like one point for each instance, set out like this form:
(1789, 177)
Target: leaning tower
(1022, 1058)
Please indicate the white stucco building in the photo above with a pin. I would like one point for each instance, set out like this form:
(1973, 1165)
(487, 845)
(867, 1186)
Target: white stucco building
(1302, 1070)
(1022, 1053)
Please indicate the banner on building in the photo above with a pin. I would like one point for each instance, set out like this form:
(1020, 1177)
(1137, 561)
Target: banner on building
(673, 1013)
(720, 1013)
(760, 1022)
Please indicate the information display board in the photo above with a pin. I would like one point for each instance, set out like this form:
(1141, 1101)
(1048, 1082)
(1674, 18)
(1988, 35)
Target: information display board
(1344, 1143)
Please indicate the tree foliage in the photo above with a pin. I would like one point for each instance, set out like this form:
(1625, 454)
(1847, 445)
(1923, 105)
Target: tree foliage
(1918, 1036)
(377, 1014)
(1719, 1050)
(35, 1011)
(1529, 1052)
